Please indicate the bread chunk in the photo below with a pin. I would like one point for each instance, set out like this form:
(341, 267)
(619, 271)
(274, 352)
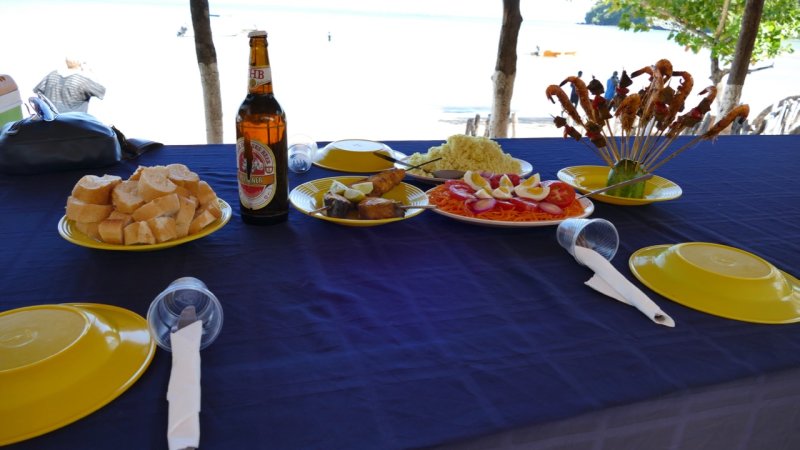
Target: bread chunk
(125, 197)
(80, 211)
(138, 233)
(205, 194)
(162, 206)
(163, 228)
(94, 189)
(154, 184)
(182, 176)
(202, 220)
(185, 215)
(112, 231)
(89, 228)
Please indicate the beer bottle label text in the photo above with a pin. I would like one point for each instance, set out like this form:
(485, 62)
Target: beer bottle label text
(256, 188)
(259, 76)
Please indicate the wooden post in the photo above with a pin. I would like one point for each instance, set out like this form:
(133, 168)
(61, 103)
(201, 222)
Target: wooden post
(487, 132)
(470, 131)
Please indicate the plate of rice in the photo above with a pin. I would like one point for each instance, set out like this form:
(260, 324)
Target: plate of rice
(462, 152)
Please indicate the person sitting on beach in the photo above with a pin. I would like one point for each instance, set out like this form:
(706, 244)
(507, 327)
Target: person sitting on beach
(70, 90)
(573, 94)
(611, 86)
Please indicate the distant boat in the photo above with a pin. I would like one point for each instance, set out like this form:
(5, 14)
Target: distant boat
(553, 54)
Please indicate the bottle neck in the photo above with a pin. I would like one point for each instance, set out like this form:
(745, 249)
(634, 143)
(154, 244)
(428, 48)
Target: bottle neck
(259, 78)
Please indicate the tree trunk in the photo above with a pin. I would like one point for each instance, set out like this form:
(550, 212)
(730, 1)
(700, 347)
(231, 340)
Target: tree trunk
(744, 51)
(505, 69)
(209, 74)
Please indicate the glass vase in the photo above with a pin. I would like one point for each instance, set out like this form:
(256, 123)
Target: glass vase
(624, 170)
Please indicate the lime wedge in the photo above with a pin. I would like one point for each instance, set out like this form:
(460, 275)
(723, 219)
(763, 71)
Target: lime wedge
(365, 187)
(337, 187)
(354, 195)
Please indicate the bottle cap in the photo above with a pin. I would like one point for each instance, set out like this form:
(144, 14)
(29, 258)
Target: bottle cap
(257, 33)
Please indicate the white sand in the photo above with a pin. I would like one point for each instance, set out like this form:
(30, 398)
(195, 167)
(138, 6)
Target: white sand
(380, 77)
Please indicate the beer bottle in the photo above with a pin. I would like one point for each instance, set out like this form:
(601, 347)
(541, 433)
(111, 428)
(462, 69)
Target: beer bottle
(261, 153)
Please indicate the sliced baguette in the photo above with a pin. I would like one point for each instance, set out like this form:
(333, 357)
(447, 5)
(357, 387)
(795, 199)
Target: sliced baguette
(125, 197)
(89, 228)
(182, 176)
(112, 231)
(163, 228)
(205, 194)
(94, 189)
(162, 206)
(201, 221)
(138, 233)
(80, 211)
(185, 215)
(153, 183)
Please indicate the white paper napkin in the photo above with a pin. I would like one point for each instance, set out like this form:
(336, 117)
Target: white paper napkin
(609, 281)
(183, 393)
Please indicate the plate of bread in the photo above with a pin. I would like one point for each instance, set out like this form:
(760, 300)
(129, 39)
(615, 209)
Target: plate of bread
(156, 207)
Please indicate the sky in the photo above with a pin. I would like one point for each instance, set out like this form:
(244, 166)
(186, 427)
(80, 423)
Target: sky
(570, 11)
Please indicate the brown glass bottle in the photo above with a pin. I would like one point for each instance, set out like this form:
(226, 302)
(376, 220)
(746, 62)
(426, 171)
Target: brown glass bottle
(261, 153)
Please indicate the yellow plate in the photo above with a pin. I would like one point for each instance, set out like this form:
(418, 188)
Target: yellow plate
(308, 197)
(719, 280)
(67, 230)
(355, 155)
(588, 178)
(59, 363)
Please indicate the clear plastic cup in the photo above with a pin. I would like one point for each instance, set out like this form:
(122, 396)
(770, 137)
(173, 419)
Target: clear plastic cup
(302, 150)
(599, 235)
(166, 309)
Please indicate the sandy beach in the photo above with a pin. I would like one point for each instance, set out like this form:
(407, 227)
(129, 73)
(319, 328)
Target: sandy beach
(338, 73)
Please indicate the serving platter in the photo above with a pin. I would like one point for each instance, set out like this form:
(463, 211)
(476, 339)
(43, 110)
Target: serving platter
(68, 230)
(588, 209)
(67, 361)
(589, 178)
(525, 167)
(307, 197)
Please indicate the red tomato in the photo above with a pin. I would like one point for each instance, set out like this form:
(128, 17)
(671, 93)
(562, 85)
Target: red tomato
(514, 178)
(561, 194)
(494, 180)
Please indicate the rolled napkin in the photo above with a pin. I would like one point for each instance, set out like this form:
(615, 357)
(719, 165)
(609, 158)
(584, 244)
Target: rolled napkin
(609, 281)
(183, 392)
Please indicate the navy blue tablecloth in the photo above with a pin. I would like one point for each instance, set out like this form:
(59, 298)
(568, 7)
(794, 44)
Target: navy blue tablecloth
(420, 332)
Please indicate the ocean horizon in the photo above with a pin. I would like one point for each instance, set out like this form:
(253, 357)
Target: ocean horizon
(360, 70)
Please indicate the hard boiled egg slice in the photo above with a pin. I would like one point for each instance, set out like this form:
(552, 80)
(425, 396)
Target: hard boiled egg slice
(476, 181)
(506, 182)
(531, 181)
(483, 193)
(532, 192)
(502, 192)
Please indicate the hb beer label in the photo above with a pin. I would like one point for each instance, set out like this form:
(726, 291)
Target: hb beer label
(259, 76)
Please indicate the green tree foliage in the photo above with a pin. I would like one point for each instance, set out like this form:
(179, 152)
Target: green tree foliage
(713, 25)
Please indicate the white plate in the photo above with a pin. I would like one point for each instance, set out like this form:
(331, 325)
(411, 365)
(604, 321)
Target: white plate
(588, 209)
(525, 166)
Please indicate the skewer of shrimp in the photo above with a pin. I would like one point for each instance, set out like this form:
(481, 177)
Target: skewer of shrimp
(738, 112)
(563, 99)
(583, 95)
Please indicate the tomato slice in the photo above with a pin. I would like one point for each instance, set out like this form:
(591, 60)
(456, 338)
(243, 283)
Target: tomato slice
(561, 194)
(505, 205)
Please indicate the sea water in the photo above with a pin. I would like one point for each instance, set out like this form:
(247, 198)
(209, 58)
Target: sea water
(360, 70)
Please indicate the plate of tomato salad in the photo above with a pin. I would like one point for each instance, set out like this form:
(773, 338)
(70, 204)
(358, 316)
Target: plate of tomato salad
(556, 201)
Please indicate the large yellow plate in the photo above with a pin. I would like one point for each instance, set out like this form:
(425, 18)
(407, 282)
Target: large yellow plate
(588, 178)
(355, 155)
(67, 230)
(308, 197)
(719, 280)
(59, 363)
